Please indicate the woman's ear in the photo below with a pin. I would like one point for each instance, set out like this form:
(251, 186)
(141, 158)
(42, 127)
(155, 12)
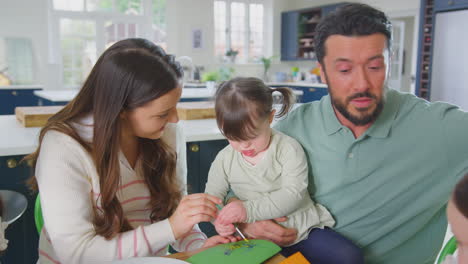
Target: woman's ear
(272, 115)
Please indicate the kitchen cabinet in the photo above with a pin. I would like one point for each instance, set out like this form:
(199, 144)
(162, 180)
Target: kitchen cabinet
(22, 234)
(298, 31)
(450, 5)
(46, 102)
(311, 93)
(11, 98)
(289, 35)
(427, 24)
(200, 155)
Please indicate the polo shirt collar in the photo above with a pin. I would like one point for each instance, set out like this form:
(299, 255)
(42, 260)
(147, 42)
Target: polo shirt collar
(331, 123)
(380, 128)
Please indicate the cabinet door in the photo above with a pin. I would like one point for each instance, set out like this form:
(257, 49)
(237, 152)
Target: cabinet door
(22, 234)
(289, 46)
(200, 155)
(311, 93)
(447, 5)
(6, 102)
(9, 99)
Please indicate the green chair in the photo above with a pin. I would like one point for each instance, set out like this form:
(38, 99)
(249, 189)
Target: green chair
(448, 249)
(38, 215)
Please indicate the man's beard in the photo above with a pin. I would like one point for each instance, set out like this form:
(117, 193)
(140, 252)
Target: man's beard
(358, 120)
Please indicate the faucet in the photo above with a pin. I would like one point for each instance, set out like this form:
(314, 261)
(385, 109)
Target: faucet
(188, 69)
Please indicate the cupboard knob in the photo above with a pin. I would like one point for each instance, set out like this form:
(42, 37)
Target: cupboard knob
(29, 163)
(194, 148)
(14, 93)
(450, 2)
(311, 89)
(11, 163)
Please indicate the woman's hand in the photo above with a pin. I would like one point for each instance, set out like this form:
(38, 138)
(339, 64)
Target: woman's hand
(234, 212)
(270, 230)
(193, 209)
(217, 240)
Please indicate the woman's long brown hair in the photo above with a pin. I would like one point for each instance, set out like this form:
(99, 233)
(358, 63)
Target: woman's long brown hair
(128, 75)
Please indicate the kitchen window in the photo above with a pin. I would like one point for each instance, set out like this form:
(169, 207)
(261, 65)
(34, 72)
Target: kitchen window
(82, 29)
(240, 25)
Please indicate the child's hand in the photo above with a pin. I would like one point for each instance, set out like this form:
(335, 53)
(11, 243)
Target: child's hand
(224, 230)
(233, 212)
(217, 240)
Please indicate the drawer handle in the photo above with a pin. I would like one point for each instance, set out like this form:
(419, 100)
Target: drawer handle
(194, 148)
(14, 93)
(11, 163)
(311, 89)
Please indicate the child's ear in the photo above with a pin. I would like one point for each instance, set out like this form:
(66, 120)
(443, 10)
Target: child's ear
(272, 115)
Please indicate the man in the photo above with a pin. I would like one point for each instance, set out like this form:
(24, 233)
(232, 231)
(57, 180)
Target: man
(381, 161)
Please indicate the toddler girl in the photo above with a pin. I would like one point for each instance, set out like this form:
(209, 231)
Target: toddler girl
(268, 172)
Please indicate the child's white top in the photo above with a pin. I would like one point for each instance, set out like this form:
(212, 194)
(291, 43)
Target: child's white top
(69, 189)
(274, 187)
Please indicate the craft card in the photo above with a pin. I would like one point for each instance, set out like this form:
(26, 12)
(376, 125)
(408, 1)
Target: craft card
(254, 251)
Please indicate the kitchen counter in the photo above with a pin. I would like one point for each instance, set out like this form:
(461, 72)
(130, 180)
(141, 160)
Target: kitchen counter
(298, 84)
(68, 95)
(18, 140)
(21, 87)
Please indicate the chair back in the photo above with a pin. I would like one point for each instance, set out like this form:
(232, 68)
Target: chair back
(448, 249)
(38, 215)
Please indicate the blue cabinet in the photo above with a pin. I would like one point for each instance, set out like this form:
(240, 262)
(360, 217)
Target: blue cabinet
(450, 5)
(200, 155)
(11, 98)
(427, 25)
(45, 102)
(289, 22)
(22, 234)
(311, 93)
(298, 31)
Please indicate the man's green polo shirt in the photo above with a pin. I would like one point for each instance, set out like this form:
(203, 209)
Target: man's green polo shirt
(387, 189)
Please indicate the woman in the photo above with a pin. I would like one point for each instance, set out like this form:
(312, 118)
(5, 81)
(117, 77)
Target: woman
(108, 164)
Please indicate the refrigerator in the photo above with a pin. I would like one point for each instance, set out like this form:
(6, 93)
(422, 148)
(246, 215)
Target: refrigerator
(449, 77)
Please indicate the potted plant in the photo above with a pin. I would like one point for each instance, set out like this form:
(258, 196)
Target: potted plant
(210, 78)
(231, 55)
(266, 61)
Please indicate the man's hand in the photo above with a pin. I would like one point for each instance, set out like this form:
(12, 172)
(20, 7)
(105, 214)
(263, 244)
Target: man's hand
(270, 230)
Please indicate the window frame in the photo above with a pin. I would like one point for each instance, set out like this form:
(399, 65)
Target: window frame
(267, 29)
(143, 21)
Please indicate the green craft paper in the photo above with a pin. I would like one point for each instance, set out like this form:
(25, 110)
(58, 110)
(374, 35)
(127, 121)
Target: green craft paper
(253, 252)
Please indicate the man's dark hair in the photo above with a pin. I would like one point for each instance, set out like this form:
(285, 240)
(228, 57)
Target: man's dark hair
(351, 20)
